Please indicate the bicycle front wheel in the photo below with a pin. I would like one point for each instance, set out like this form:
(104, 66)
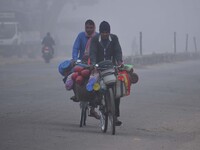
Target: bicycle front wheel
(103, 114)
(111, 109)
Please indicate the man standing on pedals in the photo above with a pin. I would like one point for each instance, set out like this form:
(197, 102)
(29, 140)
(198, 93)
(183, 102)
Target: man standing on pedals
(81, 52)
(105, 46)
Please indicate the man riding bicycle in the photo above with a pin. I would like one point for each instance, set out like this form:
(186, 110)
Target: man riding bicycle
(105, 46)
(81, 52)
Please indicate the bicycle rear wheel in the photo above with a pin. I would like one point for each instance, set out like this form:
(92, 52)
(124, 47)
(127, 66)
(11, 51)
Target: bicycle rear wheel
(111, 109)
(84, 108)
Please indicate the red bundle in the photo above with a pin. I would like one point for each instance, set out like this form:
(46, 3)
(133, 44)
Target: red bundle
(80, 74)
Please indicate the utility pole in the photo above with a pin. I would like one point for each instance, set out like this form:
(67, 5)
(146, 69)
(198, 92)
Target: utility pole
(141, 43)
(195, 43)
(186, 44)
(174, 42)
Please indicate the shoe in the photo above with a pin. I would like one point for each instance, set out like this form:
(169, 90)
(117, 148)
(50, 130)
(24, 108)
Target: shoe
(94, 114)
(74, 99)
(118, 123)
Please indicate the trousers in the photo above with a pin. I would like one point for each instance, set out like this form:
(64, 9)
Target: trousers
(117, 109)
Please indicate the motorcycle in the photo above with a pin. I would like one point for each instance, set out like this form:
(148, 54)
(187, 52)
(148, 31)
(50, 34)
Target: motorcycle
(47, 53)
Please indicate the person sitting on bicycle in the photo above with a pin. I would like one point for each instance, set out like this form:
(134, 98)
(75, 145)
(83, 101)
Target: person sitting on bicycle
(81, 52)
(105, 46)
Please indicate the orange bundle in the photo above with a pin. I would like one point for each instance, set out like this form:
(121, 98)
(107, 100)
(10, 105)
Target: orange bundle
(124, 78)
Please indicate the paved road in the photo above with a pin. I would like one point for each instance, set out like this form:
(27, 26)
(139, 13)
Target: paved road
(162, 112)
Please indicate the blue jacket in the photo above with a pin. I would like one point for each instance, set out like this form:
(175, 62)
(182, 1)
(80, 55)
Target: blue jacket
(79, 46)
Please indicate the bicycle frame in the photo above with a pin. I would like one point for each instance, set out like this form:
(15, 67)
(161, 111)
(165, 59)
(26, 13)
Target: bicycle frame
(107, 76)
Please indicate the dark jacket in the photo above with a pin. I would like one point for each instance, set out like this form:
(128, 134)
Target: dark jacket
(99, 52)
(48, 41)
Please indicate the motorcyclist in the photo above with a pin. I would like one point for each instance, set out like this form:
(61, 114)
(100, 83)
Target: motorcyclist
(49, 42)
(105, 46)
(81, 52)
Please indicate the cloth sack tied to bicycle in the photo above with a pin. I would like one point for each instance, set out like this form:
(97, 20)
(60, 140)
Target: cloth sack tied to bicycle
(125, 78)
(65, 67)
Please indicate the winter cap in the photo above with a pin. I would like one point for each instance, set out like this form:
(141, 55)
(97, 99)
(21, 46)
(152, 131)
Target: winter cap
(104, 27)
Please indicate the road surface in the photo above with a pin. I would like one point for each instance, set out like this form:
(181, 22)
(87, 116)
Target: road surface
(162, 112)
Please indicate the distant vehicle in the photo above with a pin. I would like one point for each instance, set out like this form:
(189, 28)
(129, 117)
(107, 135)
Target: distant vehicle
(14, 40)
(47, 53)
(9, 33)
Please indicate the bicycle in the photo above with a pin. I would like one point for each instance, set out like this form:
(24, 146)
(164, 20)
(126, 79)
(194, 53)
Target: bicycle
(104, 98)
(107, 105)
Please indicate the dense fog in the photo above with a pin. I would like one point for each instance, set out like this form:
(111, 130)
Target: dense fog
(156, 19)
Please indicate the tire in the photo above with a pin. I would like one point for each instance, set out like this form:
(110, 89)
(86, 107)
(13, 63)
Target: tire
(85, 116)
(103, 115)
(84, 109)
(47, 60)
(134, 78)
(111, 109)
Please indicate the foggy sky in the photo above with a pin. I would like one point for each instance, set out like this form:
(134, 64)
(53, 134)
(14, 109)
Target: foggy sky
(157, 19)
